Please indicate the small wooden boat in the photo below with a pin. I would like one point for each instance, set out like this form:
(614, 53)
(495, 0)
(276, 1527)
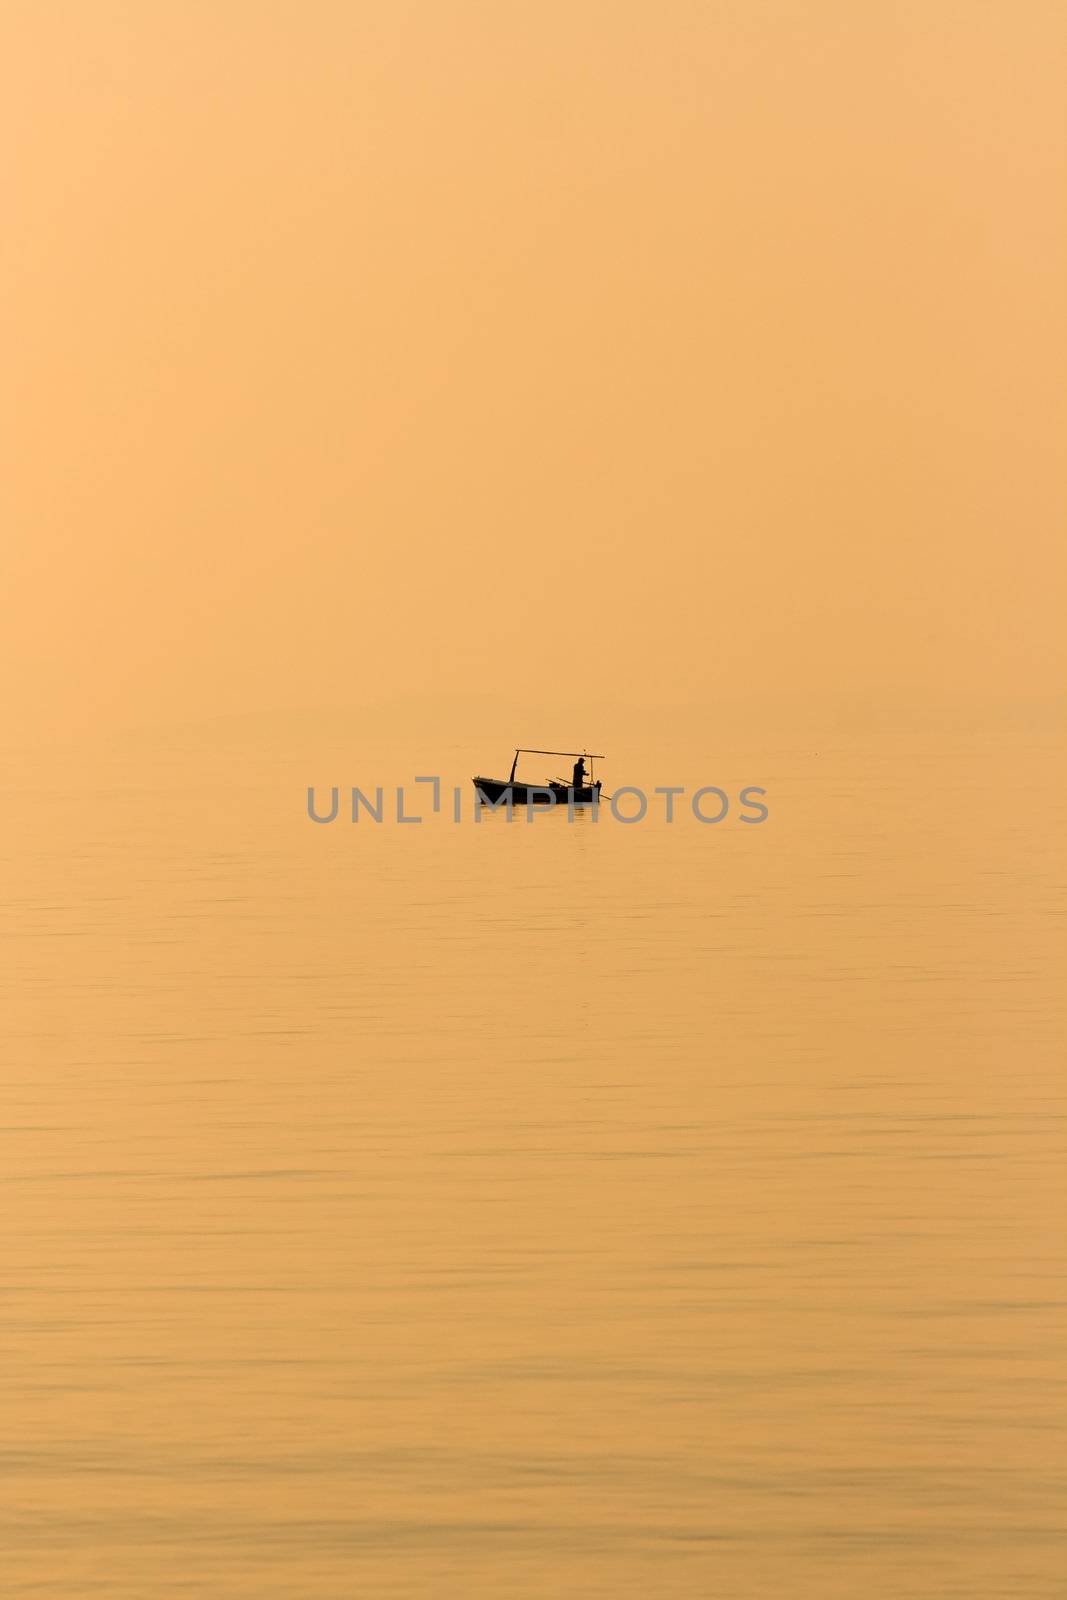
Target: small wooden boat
(557, 791)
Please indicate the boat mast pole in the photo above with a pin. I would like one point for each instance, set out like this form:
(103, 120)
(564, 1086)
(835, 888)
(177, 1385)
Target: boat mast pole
(514, 764)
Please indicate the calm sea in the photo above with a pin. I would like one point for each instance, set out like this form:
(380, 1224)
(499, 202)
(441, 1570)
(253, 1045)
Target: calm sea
(577, 1210)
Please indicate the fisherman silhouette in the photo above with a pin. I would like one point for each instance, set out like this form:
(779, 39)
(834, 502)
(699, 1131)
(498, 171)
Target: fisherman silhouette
(578, 779)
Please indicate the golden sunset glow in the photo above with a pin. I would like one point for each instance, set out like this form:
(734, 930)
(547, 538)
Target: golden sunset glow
(554, 1209)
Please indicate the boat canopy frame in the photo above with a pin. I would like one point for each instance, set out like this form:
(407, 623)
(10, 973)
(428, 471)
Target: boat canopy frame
(524, 750)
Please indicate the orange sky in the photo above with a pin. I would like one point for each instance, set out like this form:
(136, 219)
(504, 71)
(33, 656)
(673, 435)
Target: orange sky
(355, 350)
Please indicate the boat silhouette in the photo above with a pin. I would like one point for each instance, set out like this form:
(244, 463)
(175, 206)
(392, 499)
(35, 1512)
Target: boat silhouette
(580, 790)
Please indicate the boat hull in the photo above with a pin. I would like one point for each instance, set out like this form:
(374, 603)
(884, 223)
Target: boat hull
(495, 791)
